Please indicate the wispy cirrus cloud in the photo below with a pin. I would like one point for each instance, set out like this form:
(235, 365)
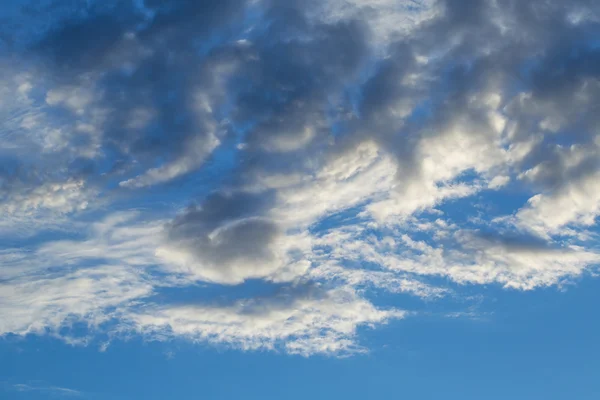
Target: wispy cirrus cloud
(50, 391)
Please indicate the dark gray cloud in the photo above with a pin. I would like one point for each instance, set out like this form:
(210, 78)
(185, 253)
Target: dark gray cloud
(156, 88)
(132, 75)
(286, 86)
(219, 208)
(227, 238)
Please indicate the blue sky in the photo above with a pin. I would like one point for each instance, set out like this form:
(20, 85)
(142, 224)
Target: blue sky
(267, 199)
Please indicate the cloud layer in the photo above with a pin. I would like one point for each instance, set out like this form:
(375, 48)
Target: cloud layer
(288, 161)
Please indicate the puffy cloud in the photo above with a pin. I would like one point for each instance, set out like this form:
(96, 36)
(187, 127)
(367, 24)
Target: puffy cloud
(576, 203)
(27, 209)
(226, 240)
(569, 178)
(75, 99)
(63, 197)
(238, 251)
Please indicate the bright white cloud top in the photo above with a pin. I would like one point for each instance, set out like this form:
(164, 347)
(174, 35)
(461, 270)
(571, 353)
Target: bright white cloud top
(287, 161)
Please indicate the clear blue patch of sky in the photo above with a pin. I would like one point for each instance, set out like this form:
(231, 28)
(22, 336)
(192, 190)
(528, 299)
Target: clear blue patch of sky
(348, 216)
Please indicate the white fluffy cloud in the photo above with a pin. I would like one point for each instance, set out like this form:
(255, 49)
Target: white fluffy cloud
(26, 210)
(238, 251)
(574, 197)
